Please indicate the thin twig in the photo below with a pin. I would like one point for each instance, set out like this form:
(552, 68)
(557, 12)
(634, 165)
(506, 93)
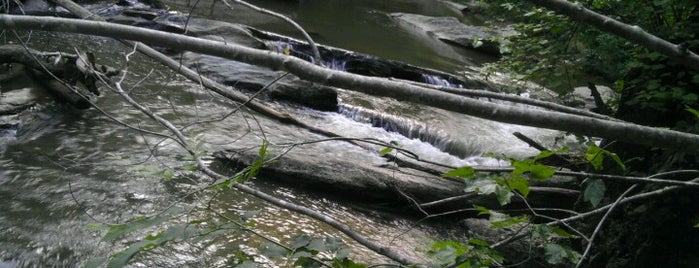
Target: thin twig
(316, 53)
(600, 223)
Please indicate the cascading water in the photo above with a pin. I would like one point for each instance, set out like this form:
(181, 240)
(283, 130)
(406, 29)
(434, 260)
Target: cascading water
(410, 129)
(439, 81)
(91, 168)
(289, 48)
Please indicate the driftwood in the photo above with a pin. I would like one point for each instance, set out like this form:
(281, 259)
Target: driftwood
(64, 75)
(631, 133)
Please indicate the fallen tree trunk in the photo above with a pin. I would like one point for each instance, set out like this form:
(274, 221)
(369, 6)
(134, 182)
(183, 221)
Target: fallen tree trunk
(59, 73)
(627, 132)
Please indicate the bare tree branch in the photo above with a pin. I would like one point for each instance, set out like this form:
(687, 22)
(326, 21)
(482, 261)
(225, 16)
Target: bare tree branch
(599, 225)
(201, 165)
(314, 48)
(626, 132)
(634, 33)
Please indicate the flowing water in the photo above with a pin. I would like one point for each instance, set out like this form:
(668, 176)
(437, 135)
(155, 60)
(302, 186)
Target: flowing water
(64, 172)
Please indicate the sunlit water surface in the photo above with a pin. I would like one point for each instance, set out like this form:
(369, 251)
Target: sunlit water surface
(66, 172)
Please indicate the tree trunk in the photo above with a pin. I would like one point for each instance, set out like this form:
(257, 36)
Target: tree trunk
(627, 132)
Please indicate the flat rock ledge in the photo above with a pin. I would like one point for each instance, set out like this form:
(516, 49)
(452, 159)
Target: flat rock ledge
(371, 183)
(450, 30)
(368, 182)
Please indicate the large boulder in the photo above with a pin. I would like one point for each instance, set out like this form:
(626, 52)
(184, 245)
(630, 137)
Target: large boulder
(452, 31)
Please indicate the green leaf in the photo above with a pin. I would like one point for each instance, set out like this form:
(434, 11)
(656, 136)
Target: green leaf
(555, 254)
(190, 167)
(122, 258)
(542, 231)
(617, 160)
(168, 174)
(257, 165)
(696, 225)
(333, 243)
(303, 261)
(481, 185)
(546, 153)
(501, 220)
(462, 172)
(180, 231)
(343, 253)
(691, 110)
(263, 149)
(561, 233)
(520, 184)
(595, 156)
(317, 244)
(300, 241)
(541, 172)
(445, 252)
(594, 192)
(301, 254)
(385, 151)
(119, 230)
(503, 195)
(95, 262)
(482, 210)
(272, 250)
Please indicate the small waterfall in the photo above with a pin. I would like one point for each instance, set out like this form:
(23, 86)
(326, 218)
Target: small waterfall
(438, 81)
(410, 129)
(336, 64)
(287, 47)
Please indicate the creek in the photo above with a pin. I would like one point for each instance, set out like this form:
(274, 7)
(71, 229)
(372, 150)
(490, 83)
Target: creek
(65, 171)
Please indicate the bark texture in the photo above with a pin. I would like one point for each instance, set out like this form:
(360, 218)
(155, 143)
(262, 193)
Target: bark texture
(631, 133)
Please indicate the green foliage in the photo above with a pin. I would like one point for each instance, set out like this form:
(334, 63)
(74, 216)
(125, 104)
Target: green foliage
(692, 110)
(385, 151)
(474, 253)
(560, 53)
(388, 150)
(596, 156)
(308, 251)
(248, 172)
(529, 55)
(559, 254)
(554, 251)
(503, 185)
(594, 191)
(173, 233)
(530, 167)
(462, 172)
(502, 220)
(139, 223)
(257, 165)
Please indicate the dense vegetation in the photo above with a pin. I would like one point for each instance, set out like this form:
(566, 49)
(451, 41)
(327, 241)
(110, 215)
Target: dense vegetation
(561, 53)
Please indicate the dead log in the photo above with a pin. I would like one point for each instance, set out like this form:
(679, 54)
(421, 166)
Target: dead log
(67, 76)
